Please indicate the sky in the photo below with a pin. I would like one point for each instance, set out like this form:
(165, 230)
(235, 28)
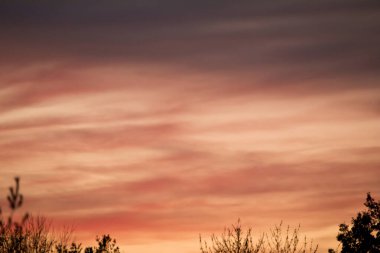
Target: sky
(157, 121)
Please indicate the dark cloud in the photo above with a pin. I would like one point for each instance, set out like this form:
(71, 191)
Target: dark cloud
(293, 40)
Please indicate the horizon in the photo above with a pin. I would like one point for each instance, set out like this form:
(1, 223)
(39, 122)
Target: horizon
(157, 121)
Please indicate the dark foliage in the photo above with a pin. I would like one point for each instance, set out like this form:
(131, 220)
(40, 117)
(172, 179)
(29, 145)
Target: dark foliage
(363, 235)
(12, 238)
(33, 234)
(105, 245)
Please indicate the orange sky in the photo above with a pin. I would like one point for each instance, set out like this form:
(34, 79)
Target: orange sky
(156, 125)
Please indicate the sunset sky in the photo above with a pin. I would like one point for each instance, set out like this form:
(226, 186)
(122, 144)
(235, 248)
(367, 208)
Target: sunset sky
(157, 121)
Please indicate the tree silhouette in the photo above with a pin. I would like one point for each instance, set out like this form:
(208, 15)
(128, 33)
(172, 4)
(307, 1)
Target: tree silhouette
(12, 238)
(363, 235)
(15, 201)
(105, 245)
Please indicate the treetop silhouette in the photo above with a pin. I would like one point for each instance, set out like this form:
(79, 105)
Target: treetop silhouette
(363, 235)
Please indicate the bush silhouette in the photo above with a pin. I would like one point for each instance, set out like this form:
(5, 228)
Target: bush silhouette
(37, 234)
(235, 240)
(363, 235)
(34, 234)
(277, 242)
(232, 240)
